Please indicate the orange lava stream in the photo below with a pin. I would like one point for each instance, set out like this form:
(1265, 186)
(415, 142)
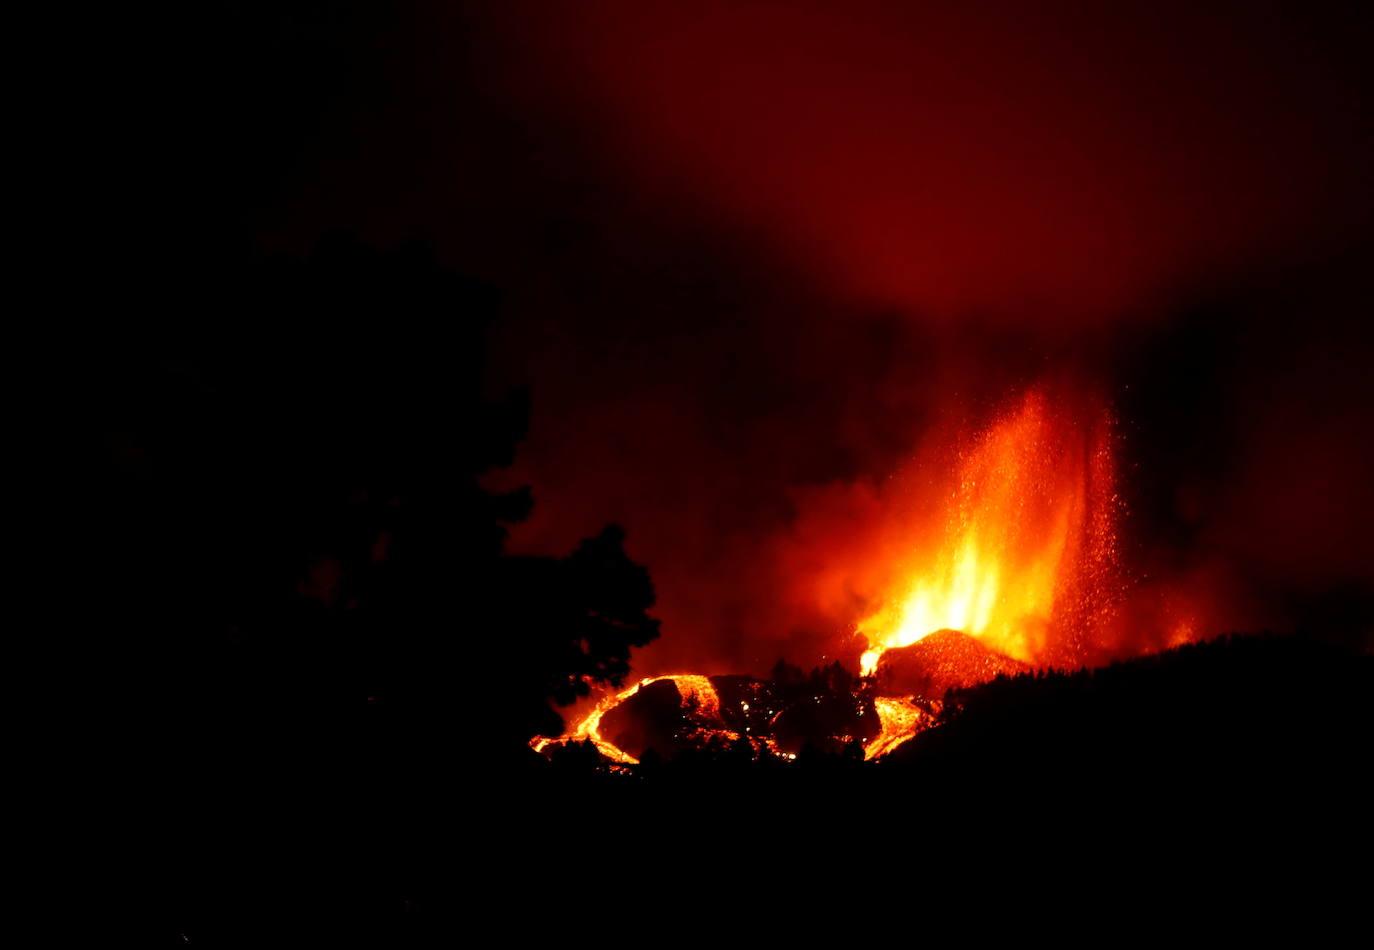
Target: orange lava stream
(900, 719)
(698, 690)
(692, 688)
(1030, 518)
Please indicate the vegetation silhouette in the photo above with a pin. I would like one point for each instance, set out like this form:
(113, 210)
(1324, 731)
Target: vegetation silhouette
(294, 541)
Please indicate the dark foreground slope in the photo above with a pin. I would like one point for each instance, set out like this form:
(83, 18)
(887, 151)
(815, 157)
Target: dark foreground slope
(1280, 712)
(1235, 764)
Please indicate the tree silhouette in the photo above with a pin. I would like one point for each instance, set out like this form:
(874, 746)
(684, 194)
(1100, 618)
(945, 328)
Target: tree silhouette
(292, 524)
(571, 623)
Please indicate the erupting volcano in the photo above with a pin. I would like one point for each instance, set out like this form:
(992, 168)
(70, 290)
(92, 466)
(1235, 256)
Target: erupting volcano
(652, 450)
(1019, 572)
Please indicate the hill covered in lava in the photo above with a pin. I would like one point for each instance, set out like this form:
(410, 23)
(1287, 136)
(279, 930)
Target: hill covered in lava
(945, 660)
(828, 710)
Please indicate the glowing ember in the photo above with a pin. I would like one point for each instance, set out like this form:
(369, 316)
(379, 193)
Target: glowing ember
(1030, 532)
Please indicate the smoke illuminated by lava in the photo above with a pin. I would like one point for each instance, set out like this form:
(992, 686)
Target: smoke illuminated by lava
(804, 235)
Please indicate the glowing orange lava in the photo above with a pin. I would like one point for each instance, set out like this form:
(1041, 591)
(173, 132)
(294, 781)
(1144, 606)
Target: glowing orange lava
(900, 720)
(696, 692)
(1030, 534)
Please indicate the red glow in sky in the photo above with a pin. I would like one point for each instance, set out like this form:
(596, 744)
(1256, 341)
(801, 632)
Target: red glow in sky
(1064, 158)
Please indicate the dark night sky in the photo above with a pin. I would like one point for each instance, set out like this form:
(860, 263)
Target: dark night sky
(749, 253)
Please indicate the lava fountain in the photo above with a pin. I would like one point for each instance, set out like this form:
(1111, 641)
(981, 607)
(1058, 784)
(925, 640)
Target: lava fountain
(1025, 562)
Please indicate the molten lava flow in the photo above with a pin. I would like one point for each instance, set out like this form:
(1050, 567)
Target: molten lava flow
(1029, 538)
(900, 719)
(696, 692)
